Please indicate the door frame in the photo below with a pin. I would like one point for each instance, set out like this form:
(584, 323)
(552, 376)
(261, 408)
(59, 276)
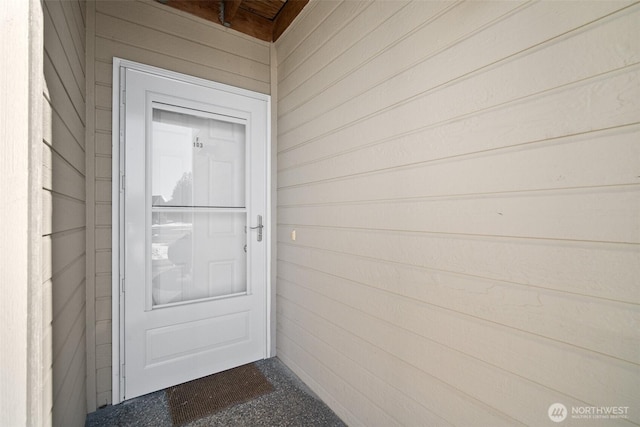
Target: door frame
(117, 209)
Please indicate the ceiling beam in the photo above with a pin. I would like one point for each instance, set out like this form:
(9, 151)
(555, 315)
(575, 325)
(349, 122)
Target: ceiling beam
(243, 21)
(208, 10)
(239, 18)
(287, 14)
(252, 24)
(230, 9)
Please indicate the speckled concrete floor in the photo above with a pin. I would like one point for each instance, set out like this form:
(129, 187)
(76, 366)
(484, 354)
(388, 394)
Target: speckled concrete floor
(290, 404)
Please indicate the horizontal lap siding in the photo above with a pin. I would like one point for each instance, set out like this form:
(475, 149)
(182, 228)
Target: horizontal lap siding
(463, 182)
(150, 33)
(64, 207)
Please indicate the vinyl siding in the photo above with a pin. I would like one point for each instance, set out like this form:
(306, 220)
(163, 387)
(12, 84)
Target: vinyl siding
(63, 228)
(150, 33)
(463, 182)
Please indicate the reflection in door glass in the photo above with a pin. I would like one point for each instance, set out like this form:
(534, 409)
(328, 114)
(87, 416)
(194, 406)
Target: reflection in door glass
(197, 161)
(198, 217)
(197, 255)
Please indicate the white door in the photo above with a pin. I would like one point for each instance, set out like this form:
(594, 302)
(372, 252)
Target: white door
(194, 197)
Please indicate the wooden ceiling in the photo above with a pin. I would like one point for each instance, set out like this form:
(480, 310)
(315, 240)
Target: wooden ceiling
(262, 19)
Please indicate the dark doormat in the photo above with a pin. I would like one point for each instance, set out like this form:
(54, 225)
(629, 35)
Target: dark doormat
(205, 396)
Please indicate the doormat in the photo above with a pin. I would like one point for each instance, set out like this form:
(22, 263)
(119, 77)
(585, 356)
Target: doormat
(205, 396)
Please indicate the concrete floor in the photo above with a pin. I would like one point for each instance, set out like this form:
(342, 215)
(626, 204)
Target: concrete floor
(290, 404)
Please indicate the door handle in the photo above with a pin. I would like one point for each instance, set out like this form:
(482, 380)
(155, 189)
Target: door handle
(259, 227)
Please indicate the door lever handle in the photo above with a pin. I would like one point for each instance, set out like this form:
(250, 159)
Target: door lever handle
(259, 227)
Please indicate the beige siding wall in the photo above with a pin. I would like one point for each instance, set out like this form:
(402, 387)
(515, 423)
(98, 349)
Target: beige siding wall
(64, 210)
(463, 182)
(153, 34)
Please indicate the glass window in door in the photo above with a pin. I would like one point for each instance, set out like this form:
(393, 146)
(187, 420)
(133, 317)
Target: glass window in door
(198, 211)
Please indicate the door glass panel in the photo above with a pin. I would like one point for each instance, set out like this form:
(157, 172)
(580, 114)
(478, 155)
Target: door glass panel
(197, 161)
(197, 255)
(198, 217)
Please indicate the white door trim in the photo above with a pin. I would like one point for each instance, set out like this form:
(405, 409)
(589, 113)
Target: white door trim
(117, 263)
